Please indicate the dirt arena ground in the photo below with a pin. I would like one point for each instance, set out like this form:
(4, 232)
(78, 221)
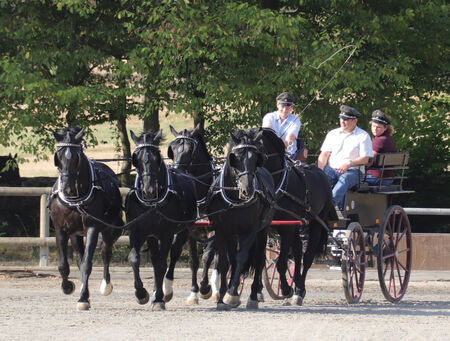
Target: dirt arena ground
(34, 308)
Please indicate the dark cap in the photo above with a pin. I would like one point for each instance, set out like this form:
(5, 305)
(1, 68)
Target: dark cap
(348, 112)
(285, 97)
(379, 117)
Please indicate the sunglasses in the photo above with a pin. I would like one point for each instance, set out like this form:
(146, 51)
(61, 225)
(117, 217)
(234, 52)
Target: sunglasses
(287, 104)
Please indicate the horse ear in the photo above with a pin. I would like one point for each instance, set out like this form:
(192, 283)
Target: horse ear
(134, 137)
(158, 136)
(196, 129)
(234, 138)
(170, 152)
(79, 135)
(58, 137)
(174, 132)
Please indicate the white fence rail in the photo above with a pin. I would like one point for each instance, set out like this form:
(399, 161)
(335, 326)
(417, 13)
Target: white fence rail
(44, 240)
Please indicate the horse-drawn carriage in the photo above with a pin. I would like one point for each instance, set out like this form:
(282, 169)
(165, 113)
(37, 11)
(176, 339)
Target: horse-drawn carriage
(372, 226)
(256, 186)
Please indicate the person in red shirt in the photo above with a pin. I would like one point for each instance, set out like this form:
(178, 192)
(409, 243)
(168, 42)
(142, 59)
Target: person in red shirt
(382, 142)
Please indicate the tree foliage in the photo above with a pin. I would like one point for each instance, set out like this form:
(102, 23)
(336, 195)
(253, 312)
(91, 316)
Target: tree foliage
(223, 63)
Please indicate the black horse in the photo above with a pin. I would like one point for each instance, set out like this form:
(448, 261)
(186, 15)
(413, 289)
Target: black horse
(9, 171)
(162, 204)
(85, 201)
(190, 155)
(240, 205)
(303, 191)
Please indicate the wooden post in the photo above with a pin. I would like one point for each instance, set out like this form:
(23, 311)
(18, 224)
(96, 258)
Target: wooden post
(44, 230)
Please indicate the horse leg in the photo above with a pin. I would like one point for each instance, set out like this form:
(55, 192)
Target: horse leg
(297, 253)
(159, 260)
(109, 237)
(193, 264)
(245, 243)
(62, 239)
(285, 243)
(259, 261)
(175, 252)
(86, 268)
(134, 258)
(207, 258)
(78, 245)
(222, 269)
(308, 258)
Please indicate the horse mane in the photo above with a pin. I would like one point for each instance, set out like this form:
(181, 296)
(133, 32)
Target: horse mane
(274, 140)
(201, 141)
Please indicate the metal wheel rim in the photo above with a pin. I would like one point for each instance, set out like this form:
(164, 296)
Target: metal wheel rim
(354, 264)
(394, 256)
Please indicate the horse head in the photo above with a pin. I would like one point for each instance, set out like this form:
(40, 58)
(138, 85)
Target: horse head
(183, 150)
(149, 164)
(245, 155)
(68, 159)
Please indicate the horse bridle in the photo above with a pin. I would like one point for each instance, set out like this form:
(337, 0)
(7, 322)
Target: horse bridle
(157, 201)
(195, 143)
(78, 201)
(242, 146)
(68, 155)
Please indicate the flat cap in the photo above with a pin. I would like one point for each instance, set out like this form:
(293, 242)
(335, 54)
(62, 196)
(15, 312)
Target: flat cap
(348, 112)
(379, 117)
(285, 97)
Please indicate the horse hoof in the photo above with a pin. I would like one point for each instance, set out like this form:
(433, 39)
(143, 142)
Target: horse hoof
(206, 295)
(81, 306)
(290, 294)
(253, 305)
(232, 301)
(168, 297)
(215, 297)
(69, 288)
(106, 288)
(192, 299)
(297, 300)
(144, 299)
(260, 297)
(223, 307)
(158, 306)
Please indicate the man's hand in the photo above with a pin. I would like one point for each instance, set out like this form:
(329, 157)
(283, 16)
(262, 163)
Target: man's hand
(344, 168)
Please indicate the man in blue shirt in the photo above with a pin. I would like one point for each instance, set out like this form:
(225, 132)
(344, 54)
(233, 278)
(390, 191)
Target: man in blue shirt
(285, 124)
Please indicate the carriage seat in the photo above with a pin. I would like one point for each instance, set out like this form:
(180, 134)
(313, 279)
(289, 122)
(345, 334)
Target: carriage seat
(397, 162)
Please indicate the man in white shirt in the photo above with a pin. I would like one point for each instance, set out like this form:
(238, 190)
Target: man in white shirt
(343, 151)
(285, 124)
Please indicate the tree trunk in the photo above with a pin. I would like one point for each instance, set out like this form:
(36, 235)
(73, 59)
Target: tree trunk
(126, 178)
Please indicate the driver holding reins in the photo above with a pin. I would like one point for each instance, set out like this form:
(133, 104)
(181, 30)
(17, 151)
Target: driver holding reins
(286, 125)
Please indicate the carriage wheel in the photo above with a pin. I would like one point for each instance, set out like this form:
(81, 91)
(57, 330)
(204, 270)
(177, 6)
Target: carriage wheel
(270, 274)
(354, 263)
(394, 254)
